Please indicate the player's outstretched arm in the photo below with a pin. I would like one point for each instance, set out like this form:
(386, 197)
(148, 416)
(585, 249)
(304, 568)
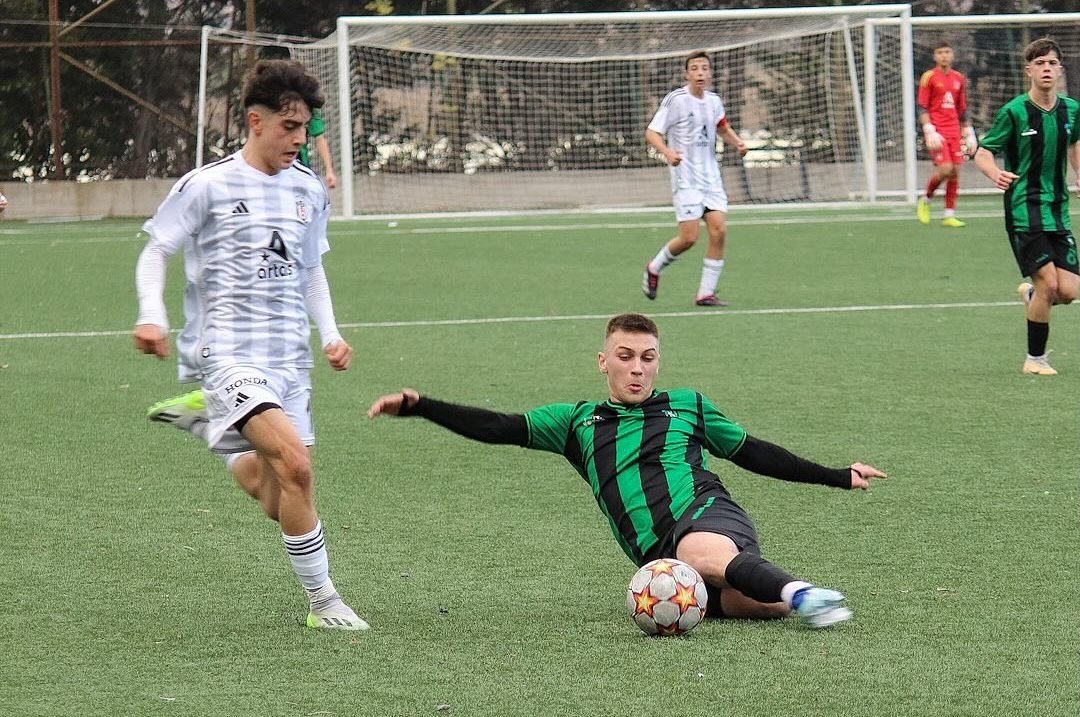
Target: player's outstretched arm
(769, 459)
(479, 424)
(391, 403)
(861, 473)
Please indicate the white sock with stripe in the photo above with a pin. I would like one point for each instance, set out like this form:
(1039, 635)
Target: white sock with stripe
(307, 553)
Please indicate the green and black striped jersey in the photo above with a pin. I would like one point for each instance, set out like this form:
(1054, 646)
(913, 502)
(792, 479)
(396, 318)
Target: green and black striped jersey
(1035, 145)
(644, 462)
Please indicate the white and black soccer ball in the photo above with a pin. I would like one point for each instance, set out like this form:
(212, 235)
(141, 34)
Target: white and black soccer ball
(666, 597)
(3, 202)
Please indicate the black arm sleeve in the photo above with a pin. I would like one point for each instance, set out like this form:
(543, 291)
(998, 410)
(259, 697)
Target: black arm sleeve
(769, 459)
(478, 424)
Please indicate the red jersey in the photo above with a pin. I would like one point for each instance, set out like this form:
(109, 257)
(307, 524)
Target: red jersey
(944, 96)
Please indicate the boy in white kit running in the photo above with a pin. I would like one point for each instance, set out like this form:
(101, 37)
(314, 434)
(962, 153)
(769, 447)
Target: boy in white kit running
(253, 230)
(692, 118)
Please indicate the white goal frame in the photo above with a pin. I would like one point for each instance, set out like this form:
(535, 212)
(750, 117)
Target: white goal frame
(908, 28)
(900, 13)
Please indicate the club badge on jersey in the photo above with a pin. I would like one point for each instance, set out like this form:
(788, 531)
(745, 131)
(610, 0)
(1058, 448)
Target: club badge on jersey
(302, 212)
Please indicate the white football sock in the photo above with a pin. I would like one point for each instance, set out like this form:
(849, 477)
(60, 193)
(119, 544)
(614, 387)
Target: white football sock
(232, 458)
(710, 276)
(661, 260)
(307, 553)
(788, 591)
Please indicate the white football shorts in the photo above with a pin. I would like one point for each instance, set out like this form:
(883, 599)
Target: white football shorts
(690, 204)
(232, 392)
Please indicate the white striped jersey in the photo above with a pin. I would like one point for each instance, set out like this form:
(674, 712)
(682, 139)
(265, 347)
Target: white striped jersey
(689, 126)
(248, 239)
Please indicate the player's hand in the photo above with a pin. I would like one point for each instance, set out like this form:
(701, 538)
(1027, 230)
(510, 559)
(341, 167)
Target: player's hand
(971, 142)
(1004, 179)
(331, 179)
(1076, 188)
(933, 140)
(741, 148)
(152, 339)
(390, 404)
(673, 157)
(861, 474)
(339, 354)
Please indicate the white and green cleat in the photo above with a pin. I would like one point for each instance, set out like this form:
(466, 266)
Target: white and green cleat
(821, 607)
(334, 614)
(186, 412)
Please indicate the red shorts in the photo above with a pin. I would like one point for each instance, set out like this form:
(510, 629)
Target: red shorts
(951, 151)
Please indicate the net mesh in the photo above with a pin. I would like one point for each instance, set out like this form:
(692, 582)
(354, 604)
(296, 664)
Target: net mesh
(991, 57)
(509, 117)
(498, 117)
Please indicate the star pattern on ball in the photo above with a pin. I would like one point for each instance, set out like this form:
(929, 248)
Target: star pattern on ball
(662, 567)
(684, 597)
(644, 602)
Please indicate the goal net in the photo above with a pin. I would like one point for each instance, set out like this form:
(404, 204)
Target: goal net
(496, 113)
(227, 55)
(989, 52)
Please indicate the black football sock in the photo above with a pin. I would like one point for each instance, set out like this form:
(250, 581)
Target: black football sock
(1038, 333)
(756, 578)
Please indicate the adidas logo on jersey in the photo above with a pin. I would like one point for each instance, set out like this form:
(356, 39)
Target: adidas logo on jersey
(241, 399)
(240, 208)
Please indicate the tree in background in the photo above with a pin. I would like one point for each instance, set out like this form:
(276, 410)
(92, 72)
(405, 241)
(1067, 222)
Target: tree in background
(130, 111)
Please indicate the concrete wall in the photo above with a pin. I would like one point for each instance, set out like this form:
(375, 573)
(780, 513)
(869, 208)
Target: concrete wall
(404, 194)
(84, 200)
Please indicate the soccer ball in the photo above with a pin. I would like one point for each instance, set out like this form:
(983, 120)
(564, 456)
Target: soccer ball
(666, 597)
(3, 202)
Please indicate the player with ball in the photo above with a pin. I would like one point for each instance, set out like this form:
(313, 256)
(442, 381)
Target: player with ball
(642, 451)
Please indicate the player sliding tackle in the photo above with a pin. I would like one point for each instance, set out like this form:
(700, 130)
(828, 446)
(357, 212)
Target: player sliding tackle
(642, 451)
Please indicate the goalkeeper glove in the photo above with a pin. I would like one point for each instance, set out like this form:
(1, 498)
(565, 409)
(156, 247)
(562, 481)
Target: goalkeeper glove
(971, 142)
(932, 138)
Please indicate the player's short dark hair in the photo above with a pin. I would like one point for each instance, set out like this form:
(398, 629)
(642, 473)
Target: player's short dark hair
(1040, 47)
(275, 84)
(632, 324)
(696, 55)
(942, 43)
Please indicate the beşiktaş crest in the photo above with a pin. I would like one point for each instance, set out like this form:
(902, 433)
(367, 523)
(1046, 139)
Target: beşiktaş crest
(303, 212)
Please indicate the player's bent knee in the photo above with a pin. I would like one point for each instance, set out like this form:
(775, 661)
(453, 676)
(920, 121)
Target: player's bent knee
(708, 553)
(296, 471)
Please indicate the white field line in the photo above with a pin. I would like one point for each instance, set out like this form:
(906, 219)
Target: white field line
(732, 224)
(420, 323)
(373, 228)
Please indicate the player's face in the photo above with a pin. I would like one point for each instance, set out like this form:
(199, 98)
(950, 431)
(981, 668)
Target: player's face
(1044, 72)
(699, 74)
(943, 57)
(278, 136)
(630, 362)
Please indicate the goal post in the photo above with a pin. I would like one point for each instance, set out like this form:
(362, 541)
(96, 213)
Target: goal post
(987, 50)
(517, 112)
(520, 112)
